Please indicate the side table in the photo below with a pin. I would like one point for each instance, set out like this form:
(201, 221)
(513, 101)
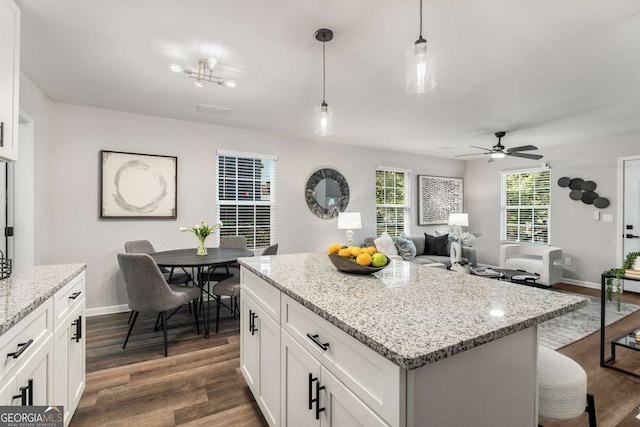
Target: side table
(627, 340)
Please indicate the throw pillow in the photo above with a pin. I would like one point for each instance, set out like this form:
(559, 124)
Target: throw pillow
(440, 244)
(385, 244)
(406, 248)
(429, 244)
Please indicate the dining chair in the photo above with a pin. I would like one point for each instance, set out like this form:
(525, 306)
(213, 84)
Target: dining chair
(271, 250)
(148, 291)
(145, 247)
(227, 287)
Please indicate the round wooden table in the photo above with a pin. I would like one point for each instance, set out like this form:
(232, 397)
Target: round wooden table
(187, 258)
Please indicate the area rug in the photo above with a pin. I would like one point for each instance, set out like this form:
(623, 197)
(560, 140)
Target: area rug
(570, 327)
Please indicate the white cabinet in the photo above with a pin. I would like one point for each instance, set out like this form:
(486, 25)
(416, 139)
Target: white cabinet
(9, 75)
(34, 377)
(312, 396)
(260, 350)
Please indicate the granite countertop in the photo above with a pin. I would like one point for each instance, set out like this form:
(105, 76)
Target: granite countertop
(27, 288)
(412, 314)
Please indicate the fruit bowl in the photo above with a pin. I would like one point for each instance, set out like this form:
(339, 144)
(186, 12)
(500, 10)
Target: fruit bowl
(347, 266)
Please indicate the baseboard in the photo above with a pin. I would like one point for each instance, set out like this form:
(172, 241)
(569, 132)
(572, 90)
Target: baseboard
(583, 283)
(89, 312)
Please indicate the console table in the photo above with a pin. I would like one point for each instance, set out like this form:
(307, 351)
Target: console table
(627, 340)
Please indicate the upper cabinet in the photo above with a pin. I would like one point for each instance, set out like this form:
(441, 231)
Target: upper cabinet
(9, 75)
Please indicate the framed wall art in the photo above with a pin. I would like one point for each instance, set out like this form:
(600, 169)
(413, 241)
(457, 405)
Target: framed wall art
(438, 196)
(138, 185)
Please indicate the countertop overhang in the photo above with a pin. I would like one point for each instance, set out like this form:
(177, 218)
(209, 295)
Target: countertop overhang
(412, 314)
(27, 288)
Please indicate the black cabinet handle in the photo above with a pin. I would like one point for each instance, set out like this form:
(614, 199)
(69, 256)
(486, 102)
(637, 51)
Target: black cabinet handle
(1, 134)
(21, 348)
(311, 399)
(252, 322)
(631, 236)
(75, 295)
(22, 396)
(317, 399)
(78, 324)
(30, 389)
(316, 341)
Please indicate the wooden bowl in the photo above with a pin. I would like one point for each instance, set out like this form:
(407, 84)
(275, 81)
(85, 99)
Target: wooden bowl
(347, 266)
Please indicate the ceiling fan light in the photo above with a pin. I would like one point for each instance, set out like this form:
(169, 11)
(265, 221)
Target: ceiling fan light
(175, 68)
(497, 155)
(211, 62)
(198, 83)
(230, 83)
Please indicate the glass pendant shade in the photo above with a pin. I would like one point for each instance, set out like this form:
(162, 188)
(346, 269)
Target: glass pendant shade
(324, 120)
(421, 67)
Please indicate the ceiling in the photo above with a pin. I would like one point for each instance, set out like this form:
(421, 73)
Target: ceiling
(548, 72)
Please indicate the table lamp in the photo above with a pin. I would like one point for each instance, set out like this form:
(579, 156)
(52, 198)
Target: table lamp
(459, 219)
(349, 221)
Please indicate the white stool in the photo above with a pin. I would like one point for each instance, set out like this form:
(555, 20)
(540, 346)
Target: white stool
(562, 387)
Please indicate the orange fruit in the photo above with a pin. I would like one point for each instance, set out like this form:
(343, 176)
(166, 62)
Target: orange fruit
(364, 259)
(355, 251)
(345, 253)
(370, 250)
(333, 248)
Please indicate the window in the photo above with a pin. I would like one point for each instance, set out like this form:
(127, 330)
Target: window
(246, 197)
(525, 206)
(392, 206)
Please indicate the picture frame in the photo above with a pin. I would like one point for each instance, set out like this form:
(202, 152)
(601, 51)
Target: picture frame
(438, 196)
(135, 185)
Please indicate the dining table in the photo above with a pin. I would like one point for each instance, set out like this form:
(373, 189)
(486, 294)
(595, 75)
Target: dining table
(187, 258)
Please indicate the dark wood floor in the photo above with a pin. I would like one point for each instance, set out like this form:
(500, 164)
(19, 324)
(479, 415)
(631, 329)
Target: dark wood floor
(200, 382)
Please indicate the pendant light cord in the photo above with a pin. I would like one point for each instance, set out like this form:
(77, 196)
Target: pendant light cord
(421, 19)
(324, 71)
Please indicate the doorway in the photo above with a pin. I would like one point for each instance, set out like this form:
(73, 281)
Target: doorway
(629, 210)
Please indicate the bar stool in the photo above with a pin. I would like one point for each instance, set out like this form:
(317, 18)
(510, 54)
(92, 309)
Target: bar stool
(562, 387)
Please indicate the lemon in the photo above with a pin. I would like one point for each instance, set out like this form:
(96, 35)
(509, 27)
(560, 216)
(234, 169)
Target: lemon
(356, 251)
(370, 250)
(333, 248)
(345, 253)
(364, 259)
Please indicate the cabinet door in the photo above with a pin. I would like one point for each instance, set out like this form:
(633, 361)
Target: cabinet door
(77, 360)
(342, 407)
(37, 374)
(300, 375)
(8, 391)
(269, 384)
(249, 345)
(9, 72)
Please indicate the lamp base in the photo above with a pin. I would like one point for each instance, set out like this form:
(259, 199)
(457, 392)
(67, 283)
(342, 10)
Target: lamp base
(349, 237)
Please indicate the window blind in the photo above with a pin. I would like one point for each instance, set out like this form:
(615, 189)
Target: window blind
(526, 204)
(391, 201)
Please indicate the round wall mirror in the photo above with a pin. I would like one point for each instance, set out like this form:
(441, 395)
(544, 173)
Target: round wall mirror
(327, 193)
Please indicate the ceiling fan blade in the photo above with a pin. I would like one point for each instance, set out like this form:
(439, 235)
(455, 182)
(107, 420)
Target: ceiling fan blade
(474, 154)
(480, 148)
(522, 148)
(525, 155)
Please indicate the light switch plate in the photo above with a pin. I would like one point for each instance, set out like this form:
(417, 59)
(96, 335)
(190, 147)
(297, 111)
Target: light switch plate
(596, 216)
(607, 218)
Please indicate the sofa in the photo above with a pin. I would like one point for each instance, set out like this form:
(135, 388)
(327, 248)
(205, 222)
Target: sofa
(419, 241)
(543, 260)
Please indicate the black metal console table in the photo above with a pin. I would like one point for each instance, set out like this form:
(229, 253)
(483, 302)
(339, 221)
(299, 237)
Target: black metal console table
(627, 340)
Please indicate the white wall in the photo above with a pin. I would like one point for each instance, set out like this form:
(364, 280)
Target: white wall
(79, 235)
(39, 108)
(590, 244)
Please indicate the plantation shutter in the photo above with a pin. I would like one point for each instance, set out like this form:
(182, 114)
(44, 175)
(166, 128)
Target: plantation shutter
(526, 199)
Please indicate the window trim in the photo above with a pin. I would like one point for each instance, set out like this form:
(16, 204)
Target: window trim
(272, 192)
(407, 196)
(503, 205)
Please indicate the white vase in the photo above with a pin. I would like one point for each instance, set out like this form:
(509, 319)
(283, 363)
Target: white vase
(636, 264)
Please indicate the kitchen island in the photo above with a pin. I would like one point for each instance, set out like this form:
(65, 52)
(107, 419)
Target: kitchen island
(410, 345)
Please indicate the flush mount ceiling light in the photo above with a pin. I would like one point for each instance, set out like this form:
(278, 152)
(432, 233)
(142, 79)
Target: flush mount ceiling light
(324, 114)
(421, 65)
(204, 73)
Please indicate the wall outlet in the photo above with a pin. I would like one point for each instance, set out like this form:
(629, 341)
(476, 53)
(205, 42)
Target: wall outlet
(607, 218)
(567, 261)
(596, 216)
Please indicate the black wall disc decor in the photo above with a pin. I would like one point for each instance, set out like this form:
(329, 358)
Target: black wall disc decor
(583, 190)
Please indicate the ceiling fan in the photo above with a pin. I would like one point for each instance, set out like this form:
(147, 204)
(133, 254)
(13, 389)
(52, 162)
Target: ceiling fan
(498, 151)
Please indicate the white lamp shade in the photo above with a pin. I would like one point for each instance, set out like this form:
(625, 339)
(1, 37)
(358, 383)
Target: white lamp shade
(349, 221)
(461, 219)
(421, 67)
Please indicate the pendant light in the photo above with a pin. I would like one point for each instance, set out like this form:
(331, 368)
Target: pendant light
(323, 115)
(421, 66)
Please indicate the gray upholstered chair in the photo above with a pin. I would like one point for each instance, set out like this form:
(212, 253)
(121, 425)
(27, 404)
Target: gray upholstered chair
(148, 291)
(236, 242)
(227, 287)
(271, 250)
(145, 247)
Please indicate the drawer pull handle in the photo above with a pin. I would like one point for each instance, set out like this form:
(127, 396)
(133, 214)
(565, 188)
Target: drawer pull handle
(316, 341)
(1, 134)
(78, 324)
(252, 322)
(26, 394)
(75, 295)
(21, 348)
(311, 399)
(317, 400)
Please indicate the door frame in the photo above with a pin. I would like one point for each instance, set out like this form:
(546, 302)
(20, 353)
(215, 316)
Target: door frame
(620, 206)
